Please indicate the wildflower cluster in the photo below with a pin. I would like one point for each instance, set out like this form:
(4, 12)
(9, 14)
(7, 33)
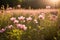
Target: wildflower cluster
(16, 21)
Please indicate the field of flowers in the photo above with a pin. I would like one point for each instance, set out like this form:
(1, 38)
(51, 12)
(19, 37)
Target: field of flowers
(20, 26)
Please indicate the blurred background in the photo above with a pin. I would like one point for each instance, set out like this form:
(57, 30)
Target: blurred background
(35, 4)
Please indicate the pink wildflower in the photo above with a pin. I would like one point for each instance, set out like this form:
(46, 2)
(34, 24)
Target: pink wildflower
(10, 8)
(21, 18)
(48, 7)
(19, 6)
(19, 26)
(41, 17)
(35, 21)
(13, 18)
(10, 26)
(16, 21)
(23, 27)
(2, 30)
(29, 19)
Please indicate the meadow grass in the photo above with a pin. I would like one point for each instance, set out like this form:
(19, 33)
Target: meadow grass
(45, 29)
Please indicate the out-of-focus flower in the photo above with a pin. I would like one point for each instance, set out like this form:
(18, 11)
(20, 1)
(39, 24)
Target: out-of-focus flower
(10, 8)
(10, 26)
(53, 17)
(19, 6)
(42, 13)
(16, 21)
(2, 30)
(41, 17)
(19, 26)
(21, 18)
(29, 19)
(13, 18)
(48, 7)
(23, 27)
(8, 11)
(35, 21)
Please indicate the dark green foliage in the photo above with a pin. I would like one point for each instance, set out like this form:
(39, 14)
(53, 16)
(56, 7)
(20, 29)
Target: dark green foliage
(11, 3)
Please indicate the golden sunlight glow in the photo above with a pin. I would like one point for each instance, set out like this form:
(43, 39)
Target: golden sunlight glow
(54, 1)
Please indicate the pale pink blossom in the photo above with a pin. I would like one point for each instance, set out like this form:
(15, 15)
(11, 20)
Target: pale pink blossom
(2, 30)
(48, 7)
(16, 21)
(24, 28)
(10, 8)
(13, 18)
(10, 26)
(41, 17)
(35, 21)
(42, 13)
(29, 19)
(8, 11)
(19, 6)
(21, 26)
(21, 18)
